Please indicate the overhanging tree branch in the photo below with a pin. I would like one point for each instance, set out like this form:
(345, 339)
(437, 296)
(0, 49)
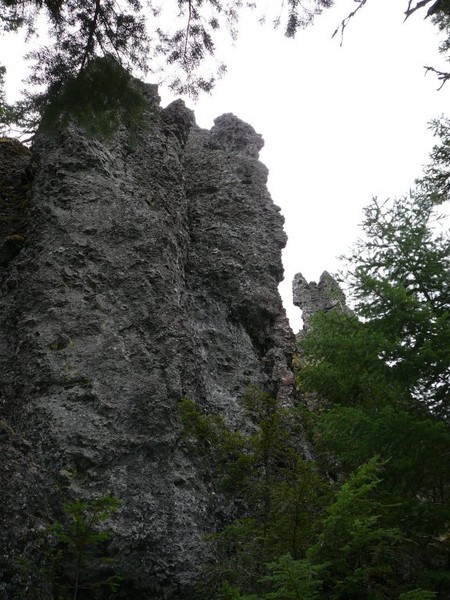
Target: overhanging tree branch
(443, 76)
(90, 42)
(412, 9)
(345, 22)
(188, 28)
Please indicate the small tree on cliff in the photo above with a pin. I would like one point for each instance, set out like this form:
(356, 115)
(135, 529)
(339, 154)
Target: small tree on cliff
(69, 558)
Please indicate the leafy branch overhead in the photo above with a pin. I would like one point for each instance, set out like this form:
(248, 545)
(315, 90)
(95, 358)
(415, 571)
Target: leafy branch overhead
(179, 37)
(136, 33)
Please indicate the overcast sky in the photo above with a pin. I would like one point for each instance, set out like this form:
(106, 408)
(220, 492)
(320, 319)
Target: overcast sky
(341, 123)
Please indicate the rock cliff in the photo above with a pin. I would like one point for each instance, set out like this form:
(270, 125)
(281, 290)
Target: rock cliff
(314, 297)
(145, 270)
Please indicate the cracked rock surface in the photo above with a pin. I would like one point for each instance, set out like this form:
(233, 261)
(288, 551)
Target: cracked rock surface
(149, 272)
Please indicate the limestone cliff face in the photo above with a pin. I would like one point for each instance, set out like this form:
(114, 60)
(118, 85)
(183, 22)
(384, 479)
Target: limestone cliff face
(149, 272)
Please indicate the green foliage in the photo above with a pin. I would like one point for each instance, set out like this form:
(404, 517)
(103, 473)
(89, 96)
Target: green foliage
(399, 281)
(278, 495)
(417, 594)
(201, 429)
(226, 592)
(3, 106)
(435, 182)
(399, 353)
(382, 380)
(100, 98)
(356, 553)
(70, 559)
(176, 37)
(8, 114)
(292, 580)
(297, 538)
(208, 435)
(179, 34)
(356, 549)
(413, 446)
(341, 362)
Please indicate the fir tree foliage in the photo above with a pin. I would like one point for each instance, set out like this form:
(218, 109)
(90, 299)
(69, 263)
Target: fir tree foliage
(70, 559)
(101, 98)
(8, 114)
(381, 378)
(275, 494)
(417, 594)
(395, 348)
(178, 38)
(356, 550)
(399, 279)
(340, 362)
(435, 182)
(137, 35)
(295, 534)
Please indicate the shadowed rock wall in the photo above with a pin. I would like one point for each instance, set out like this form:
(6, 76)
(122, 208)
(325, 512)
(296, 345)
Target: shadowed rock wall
(149, 272)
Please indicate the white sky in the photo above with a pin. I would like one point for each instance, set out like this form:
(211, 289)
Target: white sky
(341, 124)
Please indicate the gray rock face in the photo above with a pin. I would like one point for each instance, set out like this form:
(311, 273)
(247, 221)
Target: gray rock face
(149, 272)
(14, 180)
(314, 297)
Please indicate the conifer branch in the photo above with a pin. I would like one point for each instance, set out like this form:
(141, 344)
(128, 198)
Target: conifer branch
(345, 22)
(412, 9)
(443, 76)
(90, 41)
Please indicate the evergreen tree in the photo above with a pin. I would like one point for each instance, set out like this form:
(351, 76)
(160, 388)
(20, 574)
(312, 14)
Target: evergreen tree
(7, 114)
(400, 281)
(382, 374)
(69, 558)
(275, 495)
(396, 347)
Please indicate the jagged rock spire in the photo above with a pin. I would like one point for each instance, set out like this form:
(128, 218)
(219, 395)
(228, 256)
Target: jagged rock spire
(313, 297)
